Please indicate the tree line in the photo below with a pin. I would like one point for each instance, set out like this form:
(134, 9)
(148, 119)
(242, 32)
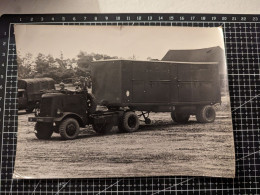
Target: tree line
(60, 69)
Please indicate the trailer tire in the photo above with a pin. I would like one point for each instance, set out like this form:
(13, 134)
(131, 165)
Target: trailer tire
(44, 131)
(69, 128)
(180, 117)
(102, 128)
(206, 114)
(129, 122)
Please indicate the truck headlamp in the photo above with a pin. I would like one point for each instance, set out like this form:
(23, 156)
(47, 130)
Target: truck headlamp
(37, 112)
(59, 112)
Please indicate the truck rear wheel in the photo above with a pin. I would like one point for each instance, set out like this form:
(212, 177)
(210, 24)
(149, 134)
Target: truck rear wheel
(180, 117)
(69, 128)
(129, 122)
(102, 128)
(43, 130)
(206, 114)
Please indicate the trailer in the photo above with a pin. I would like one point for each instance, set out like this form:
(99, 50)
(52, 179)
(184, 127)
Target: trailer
(124, 87)
(156, 86)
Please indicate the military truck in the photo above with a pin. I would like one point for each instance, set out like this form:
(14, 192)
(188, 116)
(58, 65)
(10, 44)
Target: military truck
(127, 86)
(31, 90)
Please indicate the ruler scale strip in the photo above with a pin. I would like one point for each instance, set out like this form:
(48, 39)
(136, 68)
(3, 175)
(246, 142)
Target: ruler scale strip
(242, 39)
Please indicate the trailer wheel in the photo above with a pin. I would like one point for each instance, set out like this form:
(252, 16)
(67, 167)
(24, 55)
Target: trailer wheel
(91, 103)
(129, 122)
(43, 130)
(206, 114)
(102, 128)
(180, 117)
(69, 128)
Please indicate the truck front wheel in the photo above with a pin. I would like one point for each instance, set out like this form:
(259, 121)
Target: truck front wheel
(69, 128)
(129, 122)
(43, 130)
(180, 117)
(206, 114)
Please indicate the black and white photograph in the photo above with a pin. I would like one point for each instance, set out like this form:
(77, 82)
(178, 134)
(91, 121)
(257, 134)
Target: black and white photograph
(122, 101)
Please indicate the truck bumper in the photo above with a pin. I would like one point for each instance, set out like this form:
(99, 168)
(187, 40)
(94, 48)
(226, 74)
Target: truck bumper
(41, 119)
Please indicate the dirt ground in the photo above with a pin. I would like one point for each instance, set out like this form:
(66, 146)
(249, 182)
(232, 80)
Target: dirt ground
(160, 149)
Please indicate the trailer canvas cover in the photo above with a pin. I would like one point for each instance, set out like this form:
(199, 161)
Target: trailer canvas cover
(161, 97)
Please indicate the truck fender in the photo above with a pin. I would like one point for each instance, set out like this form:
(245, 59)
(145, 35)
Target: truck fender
(65, 115)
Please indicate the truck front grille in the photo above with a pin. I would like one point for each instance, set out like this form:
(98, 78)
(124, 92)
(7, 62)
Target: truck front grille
(46, 107)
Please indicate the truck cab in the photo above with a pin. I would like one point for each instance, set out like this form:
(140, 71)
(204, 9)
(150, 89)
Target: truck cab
(62, 112)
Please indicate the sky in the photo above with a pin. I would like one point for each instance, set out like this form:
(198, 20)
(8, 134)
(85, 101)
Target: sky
(121, 41)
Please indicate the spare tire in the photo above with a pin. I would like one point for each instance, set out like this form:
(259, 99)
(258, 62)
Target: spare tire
(206, 114)
(129, 122)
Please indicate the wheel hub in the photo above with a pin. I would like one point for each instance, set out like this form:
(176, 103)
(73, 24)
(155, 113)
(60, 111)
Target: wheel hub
(209, 113)
(71, 129)
(131, 122)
